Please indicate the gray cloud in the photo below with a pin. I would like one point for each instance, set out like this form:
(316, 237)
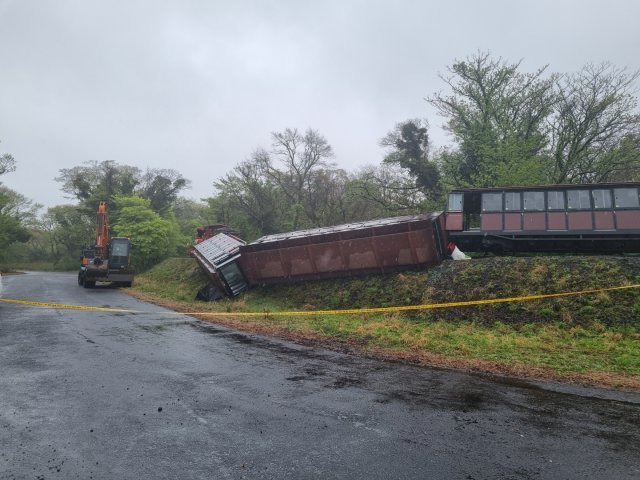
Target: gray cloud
(196, 86)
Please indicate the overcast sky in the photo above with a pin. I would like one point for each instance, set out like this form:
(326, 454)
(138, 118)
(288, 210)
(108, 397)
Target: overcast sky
(197, 85)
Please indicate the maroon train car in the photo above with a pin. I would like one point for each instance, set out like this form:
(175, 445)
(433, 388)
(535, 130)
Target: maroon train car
(603, 217)
(377, 246)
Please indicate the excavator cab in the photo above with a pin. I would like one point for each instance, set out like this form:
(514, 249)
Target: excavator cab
(119, 250)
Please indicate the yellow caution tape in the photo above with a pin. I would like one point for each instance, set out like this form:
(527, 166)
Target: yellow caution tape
(63, 306)
(353, 311)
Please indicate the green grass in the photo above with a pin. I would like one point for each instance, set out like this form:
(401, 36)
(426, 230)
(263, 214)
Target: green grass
(582, 334)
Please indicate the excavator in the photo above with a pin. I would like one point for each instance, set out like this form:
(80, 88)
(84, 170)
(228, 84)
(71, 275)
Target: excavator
(109, 260)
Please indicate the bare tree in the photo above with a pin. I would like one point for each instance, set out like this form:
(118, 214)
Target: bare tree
(292, 164)
(595, 130)
(326, 200)
(7, 163)
(246, 189)
(389, 191)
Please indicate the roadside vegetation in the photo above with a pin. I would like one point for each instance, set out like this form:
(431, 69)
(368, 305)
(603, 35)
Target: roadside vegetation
(591, 338)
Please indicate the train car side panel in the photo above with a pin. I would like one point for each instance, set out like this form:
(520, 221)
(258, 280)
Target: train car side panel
(580, 220)
(628, 219)
(356, 249)
(557, 221)
(603, 220)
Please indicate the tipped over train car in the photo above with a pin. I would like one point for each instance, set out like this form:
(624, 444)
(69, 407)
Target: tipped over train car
(601, 218)
(377, 246)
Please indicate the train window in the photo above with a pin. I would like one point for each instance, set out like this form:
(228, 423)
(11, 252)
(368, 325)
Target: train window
(533, 201)
(601, 198)
(555, 200)
(626, 197)
(455, 202)
(511, 201)
(492, 202)
(578, 200)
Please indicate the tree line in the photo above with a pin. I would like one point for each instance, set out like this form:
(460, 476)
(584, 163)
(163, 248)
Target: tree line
(507, 127)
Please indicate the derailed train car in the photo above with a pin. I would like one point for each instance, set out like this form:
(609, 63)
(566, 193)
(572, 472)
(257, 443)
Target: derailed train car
(377, 246)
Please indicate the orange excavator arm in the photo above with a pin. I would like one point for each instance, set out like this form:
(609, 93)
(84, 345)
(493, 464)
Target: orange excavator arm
(102, 232)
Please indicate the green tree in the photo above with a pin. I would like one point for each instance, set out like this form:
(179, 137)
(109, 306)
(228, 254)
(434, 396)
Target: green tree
(153, 238)
(99, 181)
(497, 117)
(16, 211)
(12, 217)
(95, 181)
(70, 229)
(161, 187)
(191, 214)
(408, 145)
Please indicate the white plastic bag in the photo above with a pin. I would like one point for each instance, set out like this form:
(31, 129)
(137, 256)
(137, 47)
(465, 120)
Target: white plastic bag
(458, 255)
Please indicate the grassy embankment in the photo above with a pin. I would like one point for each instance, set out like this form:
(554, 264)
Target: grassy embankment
(591, 338)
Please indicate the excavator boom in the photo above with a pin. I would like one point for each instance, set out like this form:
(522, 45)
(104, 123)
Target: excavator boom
(102, 231)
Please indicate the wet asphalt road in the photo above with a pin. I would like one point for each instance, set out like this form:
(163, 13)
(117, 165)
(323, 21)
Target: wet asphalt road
(152, 396)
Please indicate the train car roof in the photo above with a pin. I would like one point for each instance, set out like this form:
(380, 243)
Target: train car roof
(219, 248)
(345, 227)
(560, 186)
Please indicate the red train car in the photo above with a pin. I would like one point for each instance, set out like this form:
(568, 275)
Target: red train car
(603, 217)
(377, 246)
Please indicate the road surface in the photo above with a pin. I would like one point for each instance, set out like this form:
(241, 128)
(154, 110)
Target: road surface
(87, 394)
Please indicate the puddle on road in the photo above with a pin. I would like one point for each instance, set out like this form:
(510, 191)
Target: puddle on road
(345, 382)
(274, 346)
(241, 338)
(447, 399)
(207, 329)
(515, 382)
(159, 327)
